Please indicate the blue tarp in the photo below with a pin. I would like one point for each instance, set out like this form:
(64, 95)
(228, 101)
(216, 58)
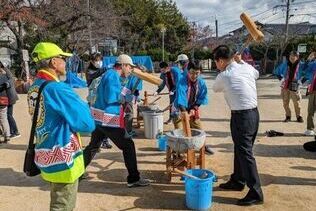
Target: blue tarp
(73, 66)
(109, 61)
(74, 81)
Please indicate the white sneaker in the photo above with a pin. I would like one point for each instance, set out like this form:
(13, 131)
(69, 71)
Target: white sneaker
(309, 133)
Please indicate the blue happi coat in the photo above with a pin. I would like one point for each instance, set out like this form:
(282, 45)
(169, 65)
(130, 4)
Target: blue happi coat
(107, 110)
(185, 71)
(62, 114)
(282, 70)
(183, 91)
(129, 85)
(175, 74)
(310, 70)
(310, 74)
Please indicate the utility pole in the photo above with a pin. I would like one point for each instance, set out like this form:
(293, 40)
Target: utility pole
(193, 40)
(89, 27)
(216, 27)
(163, 31)
(287, 20)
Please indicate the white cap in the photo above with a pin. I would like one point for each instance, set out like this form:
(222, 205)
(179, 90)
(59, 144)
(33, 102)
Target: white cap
(125, 59)
(182, 57)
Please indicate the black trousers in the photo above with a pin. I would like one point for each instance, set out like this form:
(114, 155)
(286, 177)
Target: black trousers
(121, 139)
(171, 100)
(244, 127)
(11, 120)
(128, 118)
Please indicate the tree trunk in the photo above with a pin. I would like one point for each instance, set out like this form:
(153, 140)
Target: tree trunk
(20, 42)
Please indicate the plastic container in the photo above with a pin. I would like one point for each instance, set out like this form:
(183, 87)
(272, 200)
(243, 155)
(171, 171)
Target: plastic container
(199, 192)
(162, 143)
(153, 123)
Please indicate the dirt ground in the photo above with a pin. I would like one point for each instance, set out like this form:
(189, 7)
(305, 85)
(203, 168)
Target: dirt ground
(287, 172)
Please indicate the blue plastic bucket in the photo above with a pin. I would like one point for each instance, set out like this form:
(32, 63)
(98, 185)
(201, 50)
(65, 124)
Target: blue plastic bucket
(199, 192)
(162, 143)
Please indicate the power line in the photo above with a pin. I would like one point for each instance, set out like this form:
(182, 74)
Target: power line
(255, 15)
(305, 14)
(260, 13)
(245, 9)
(303, 2)
(268, 16)
(234, 23)
(270, 21)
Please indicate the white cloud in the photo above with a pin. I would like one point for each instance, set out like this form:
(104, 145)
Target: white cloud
(227, 12)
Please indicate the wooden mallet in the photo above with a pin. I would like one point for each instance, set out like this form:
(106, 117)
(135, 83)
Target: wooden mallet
(254, 32)
(146, 76)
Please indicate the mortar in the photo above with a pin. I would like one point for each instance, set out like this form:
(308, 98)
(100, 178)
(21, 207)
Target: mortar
(142, 108)
(179, 143)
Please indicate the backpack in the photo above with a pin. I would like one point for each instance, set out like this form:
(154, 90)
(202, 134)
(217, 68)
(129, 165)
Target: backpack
(92, 90)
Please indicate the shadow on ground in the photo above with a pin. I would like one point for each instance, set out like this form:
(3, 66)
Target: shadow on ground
(270, 97)
(304, 168)
(112, 182)
(159, 195)
(279, 151)
(14, 146)
(228, 120)
(118, 156)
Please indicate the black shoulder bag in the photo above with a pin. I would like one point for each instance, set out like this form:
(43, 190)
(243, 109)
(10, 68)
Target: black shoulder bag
(30, 168)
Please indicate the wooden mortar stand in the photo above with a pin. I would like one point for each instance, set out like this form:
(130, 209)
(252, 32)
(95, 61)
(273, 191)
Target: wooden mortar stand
(175, 161)
(145, 103)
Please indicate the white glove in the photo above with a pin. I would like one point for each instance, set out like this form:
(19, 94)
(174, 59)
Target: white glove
(155, 94)
(282, 83)
(171, 93)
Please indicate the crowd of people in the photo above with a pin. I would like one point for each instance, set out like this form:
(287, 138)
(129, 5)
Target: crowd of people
(108, 115)
(295, 74)
(8, 97)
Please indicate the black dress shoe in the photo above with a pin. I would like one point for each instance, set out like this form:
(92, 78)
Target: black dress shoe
(248, 201)
(300, 119)
(231, 185)
(287, 119)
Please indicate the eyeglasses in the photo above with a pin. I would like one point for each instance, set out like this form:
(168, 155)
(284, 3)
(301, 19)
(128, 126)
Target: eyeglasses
(61, 57)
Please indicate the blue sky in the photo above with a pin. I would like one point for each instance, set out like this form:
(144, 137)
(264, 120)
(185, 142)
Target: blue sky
(227, 12)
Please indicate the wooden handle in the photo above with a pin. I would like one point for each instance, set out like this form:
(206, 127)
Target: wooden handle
(245, 45)
(185, 174)
(158, 98)
(186, 124)
(252, 28)
(166, 109)
(146, 76)
(165, 93)
(146, 99)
